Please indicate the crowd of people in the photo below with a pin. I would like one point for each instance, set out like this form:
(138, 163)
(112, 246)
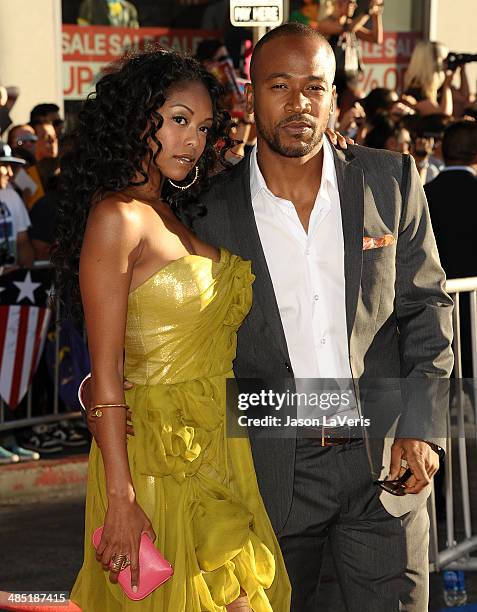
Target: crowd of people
(29, 175)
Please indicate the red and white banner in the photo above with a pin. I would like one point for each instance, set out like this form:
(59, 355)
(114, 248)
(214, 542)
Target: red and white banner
(86, 50)
(24, 319)
(384, 65)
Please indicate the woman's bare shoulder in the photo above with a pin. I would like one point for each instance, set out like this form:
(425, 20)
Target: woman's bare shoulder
(117, 217)
(116, 206)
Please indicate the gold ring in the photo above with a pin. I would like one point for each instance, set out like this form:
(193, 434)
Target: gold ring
(119, 562)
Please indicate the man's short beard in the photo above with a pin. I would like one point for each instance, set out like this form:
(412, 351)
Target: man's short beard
(299, 150)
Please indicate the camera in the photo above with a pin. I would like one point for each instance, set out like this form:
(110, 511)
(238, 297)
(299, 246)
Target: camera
(454, 60)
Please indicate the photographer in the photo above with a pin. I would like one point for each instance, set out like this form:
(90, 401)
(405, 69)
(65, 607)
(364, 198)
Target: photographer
(15, 247)
(428, 79)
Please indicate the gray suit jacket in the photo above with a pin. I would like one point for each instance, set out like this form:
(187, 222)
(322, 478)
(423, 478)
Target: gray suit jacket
(398, 314)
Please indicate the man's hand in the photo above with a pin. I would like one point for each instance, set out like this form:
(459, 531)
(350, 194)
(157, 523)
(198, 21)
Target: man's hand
(338, 139)
(91, 420)
(421, 459)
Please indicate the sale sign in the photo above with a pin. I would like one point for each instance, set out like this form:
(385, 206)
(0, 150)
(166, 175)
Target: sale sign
(384, 65)
(87, 50)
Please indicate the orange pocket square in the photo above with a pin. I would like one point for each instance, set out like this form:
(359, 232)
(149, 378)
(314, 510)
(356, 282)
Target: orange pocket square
(377, 243)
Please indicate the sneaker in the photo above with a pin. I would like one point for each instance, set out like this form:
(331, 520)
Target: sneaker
(8, 457)
(66, 433)
(11, 443)
(24, 453)
(40, 440)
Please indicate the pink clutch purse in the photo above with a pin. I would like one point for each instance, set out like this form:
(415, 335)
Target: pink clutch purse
(154, 570)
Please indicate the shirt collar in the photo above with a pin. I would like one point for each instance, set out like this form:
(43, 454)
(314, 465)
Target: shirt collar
(257, 182)
(466, 168)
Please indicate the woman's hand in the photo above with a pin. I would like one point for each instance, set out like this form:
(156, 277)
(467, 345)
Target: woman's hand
(123, 525)
(449, 76)
(337, 139)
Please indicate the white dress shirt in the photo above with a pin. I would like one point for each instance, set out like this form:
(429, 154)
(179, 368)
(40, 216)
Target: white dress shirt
(307, 272)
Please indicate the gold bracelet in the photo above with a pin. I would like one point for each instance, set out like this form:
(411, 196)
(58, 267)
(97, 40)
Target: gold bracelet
(97, 412)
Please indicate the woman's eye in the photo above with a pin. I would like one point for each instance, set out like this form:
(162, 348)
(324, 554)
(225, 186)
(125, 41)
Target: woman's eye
(279, 86)
(205, 129)
(180, 120)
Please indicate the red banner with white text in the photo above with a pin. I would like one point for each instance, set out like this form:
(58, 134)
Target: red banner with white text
(384, 65)
(87, 50)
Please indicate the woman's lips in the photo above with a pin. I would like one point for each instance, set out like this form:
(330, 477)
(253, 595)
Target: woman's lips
(185, 160)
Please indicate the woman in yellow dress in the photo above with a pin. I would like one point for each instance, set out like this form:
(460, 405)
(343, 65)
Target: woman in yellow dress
(162, 308)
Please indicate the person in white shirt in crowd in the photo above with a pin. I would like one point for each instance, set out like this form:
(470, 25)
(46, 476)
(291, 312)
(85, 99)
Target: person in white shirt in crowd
(15, 251)
(15, 247)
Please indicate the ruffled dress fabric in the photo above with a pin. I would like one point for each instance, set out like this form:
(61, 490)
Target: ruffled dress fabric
(196, 485)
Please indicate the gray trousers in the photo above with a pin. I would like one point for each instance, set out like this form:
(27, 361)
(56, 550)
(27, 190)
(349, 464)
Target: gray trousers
(335, 499)
(416, 526)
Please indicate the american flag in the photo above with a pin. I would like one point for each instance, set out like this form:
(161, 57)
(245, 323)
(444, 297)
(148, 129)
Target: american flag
(24, 319)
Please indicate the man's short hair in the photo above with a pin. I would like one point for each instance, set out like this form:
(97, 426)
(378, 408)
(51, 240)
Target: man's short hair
(286, 30)
(459, 145)
(41, 111)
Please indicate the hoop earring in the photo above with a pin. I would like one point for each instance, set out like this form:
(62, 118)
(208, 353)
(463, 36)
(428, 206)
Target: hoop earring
(184, 187)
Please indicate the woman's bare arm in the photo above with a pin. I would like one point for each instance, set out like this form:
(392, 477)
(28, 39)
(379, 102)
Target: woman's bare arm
(375, 34)
(111, 245)
(332, 26)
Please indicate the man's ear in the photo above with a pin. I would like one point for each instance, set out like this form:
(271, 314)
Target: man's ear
(249, 104)
(334, 100)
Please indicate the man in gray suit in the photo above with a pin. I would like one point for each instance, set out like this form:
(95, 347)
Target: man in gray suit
(348, 285)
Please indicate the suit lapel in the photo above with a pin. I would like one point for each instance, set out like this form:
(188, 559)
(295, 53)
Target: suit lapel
(351, 189)
(250, 247)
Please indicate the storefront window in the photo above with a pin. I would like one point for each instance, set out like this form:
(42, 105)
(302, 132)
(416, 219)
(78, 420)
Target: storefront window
(98, 32)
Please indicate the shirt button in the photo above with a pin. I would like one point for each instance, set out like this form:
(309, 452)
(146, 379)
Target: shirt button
(307, 251)
(323, 340)
(316, 297)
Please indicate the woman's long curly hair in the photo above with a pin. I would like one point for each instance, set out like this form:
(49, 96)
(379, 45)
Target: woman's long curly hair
(110, 148)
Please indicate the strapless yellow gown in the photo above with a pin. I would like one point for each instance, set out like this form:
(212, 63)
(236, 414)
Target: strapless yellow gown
(196, 485)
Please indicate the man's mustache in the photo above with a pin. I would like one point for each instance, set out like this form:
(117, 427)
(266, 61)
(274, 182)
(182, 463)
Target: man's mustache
(297, 119)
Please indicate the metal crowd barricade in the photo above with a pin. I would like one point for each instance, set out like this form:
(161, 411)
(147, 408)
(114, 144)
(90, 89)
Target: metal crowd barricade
(456, 555)
(55, 415)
